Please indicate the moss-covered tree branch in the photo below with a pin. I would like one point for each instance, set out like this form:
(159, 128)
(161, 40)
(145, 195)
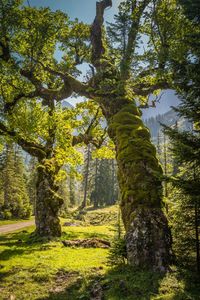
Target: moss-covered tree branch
(32, 148)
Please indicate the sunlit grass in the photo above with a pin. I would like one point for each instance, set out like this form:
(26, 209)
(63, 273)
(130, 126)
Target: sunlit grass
(30, 270)
(34, 266)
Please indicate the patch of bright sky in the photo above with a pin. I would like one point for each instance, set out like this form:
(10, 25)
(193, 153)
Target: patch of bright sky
(84, 10)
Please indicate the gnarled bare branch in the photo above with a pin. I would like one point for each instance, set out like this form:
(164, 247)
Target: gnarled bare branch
(71, 84)
(96, 32)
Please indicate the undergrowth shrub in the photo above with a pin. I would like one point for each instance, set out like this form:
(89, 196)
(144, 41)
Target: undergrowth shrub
(117, 254)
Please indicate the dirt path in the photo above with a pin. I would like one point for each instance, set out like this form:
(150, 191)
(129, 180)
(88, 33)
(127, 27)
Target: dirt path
(13, 227)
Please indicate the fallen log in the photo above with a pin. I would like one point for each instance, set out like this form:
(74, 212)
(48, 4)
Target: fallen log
(87, 243)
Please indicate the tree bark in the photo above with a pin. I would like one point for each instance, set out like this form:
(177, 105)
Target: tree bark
(95, 200)
(48, 203)
(197, 237)
(84, 203)
(72, 191)
(148, 237)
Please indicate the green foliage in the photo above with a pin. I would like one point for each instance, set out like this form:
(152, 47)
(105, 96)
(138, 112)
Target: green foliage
(117, 254)
(191, 9)
(34, 38)
(105, 152)
(7, 215)
(75, 44)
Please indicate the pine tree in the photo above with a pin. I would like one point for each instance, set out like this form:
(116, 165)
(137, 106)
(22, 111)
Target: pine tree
(72, 196)
(31, 181)
(16, 199)
(186, 148)
(186, 144)
(2, 165)
(118, 31)
(94, 193)
(65, 194)
(24, 209)
(105, 188)
(113, 196)
(86, 173)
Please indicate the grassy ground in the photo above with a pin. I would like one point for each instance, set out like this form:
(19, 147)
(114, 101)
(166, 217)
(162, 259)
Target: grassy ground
(32, 270)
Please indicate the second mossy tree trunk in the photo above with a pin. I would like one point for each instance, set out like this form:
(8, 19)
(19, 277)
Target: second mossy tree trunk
(48, 204)
(148, 237)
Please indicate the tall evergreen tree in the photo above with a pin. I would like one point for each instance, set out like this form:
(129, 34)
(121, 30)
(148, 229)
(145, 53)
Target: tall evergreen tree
(16, 199)
(104, 191)
(186, 148)
(64, 194)
(86, 175)
(9, 183)
(25, 207)
(31, 181)
(186, 144)
(72, 196)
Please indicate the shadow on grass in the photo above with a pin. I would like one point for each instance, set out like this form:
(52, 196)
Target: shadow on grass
(134, 284)
(191, 282)
(72, 288)
(119, 283)
(20, 243)
(24, 242)
(12, 272)
(127, 283)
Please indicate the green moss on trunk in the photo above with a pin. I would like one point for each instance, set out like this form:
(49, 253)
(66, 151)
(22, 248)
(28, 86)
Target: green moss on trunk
(48, 204)
(139, 175)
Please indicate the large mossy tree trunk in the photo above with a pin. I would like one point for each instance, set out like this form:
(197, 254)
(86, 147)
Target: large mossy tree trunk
(48, 203)
(148, 237)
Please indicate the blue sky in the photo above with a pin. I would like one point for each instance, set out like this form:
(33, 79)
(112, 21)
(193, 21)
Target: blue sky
(84, 10)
